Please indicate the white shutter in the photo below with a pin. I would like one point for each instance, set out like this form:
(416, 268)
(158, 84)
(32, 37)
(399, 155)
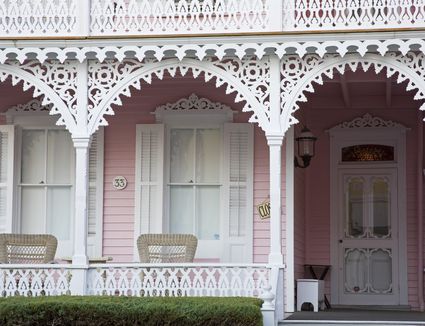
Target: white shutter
(7, 134)
(149, 179)
(238, 192)
(95, 195)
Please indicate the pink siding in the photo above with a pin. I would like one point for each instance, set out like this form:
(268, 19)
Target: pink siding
(325, 110)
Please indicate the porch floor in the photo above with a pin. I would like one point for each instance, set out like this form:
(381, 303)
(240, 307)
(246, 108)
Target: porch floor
(356, 317)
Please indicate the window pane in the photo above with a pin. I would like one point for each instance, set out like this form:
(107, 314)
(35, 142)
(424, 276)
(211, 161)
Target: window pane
(33, 156)
(381, 271)
(59, 156)
(355, 271)
(182, 155)
(32, 209)
(208, 212)
(354, 209)
(208, 146)
(181, 209)
(59, 212)
(381, 208)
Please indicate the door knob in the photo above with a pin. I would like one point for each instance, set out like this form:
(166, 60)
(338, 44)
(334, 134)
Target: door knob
(340, 240)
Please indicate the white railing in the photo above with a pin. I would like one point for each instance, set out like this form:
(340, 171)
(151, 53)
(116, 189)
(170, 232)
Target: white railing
(59, 18)
(38, 17)
(35, 280)
(222, 280)
(177, 280)
(310, 15)
(118, 17)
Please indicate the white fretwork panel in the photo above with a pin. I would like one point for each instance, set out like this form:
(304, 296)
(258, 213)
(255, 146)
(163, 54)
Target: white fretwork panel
(56, 82)
(353, 14)
(368, 270)
(38, 17)
(298, 74)
(35, 281)
(140, 280)
(249, 78)
(111, 17)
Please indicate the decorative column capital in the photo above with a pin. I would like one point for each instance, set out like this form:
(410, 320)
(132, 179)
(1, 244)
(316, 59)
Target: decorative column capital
(81, 141)
(275, 139)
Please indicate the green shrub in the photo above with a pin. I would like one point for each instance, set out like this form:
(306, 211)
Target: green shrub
(115, 311)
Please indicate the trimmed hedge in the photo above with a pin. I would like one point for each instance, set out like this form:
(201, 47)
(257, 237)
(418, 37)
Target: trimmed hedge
(115, 311)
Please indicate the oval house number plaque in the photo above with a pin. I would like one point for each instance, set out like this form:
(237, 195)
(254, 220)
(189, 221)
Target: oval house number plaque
(119, 182)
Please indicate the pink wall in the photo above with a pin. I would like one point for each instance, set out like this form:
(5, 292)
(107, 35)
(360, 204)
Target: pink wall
(325, 109)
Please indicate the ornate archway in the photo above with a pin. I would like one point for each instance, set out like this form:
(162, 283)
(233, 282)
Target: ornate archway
(248, 78)
(298, 75)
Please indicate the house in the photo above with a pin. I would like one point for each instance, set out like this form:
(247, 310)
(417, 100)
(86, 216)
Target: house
(159, 116)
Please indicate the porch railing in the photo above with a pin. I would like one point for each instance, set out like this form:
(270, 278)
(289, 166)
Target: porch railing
(58, 18)
(136, 279)
(146, 17)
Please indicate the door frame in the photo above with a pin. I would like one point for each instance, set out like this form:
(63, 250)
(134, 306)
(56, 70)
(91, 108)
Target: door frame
(368, 130)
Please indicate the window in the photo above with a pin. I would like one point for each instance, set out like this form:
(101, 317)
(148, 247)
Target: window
(194, 174)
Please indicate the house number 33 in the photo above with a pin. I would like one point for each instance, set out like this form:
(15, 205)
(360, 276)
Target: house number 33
(119, 182)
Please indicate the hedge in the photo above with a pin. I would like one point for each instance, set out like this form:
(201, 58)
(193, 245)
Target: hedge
(111, 311)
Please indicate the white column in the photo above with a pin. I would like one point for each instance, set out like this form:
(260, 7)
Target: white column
(81, 139)
(274, 140)
(275, 144)
(289, 222)
(81, 189)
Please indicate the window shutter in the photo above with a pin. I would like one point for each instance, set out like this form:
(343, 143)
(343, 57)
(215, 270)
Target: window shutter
(238, 191)
(7, 134)
(149, 179)
(95, 194)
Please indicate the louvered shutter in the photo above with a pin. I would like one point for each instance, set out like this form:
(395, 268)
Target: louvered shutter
(149, 179)
(238, 192)
(95, 194)
(7, 134)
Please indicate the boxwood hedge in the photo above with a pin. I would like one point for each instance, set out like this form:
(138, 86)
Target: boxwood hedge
(111, 311)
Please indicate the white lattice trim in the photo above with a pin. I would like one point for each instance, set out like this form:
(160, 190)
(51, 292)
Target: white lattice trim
(192, 104)
(311, 69)
(248, 79)
(188, 280)
(220, 50)
(368, 121)
(31, 106)
(43, 280)
(32, 75)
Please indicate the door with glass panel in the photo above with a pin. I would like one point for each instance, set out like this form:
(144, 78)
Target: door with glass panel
(368, 244)
(194, 186)
(46, 185)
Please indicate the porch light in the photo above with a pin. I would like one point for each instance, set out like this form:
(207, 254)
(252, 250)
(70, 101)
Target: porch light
(306, 142)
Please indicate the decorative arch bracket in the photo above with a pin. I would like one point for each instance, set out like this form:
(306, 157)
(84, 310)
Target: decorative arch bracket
(299, 75)
(248, 78)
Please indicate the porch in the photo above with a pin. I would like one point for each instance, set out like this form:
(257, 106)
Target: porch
(346, 316)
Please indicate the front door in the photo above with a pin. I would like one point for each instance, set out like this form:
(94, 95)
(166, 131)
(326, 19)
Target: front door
(368, 236)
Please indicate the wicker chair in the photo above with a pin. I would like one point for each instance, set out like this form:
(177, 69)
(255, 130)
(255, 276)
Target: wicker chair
(27, 248)
(167, 248)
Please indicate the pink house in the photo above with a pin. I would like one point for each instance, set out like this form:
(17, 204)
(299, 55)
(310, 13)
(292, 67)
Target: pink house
(120, 118)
